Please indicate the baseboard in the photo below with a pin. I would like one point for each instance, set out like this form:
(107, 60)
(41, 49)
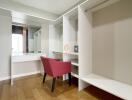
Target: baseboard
(25, 74)
(19, 75)
(5, 78)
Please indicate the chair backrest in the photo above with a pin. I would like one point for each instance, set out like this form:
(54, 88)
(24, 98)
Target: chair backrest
(60, 68)
(46, 65)
(54, 67)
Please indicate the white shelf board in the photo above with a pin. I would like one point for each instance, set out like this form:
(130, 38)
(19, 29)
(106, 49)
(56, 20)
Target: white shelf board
(69, 53)
(76, 64)
(75, 75)
(117, 88)
(57, 52)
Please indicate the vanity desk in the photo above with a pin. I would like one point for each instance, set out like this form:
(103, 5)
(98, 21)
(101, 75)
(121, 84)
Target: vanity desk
(26, 58)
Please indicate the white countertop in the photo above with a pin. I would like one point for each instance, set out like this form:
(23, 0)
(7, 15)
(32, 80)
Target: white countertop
(22, 57)
(21, 54)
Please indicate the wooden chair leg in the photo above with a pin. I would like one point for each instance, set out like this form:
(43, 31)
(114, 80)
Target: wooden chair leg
(69, 75)
(44, 77)
(53, 84)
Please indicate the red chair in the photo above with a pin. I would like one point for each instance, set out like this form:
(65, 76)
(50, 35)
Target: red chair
(55, 69)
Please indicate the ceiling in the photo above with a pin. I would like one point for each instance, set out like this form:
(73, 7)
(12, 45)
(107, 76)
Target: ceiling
(37, 12)
(57, 7)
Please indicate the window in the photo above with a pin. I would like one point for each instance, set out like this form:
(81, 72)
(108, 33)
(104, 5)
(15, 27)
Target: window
(17, 43)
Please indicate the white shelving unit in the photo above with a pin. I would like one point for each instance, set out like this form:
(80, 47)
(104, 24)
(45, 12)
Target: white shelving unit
(103, 35)
(70, 39)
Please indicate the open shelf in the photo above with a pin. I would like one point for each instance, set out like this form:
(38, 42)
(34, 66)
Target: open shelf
(74, 75)
(114, 87)
(75, 62)
(75, 71)
(70, 32)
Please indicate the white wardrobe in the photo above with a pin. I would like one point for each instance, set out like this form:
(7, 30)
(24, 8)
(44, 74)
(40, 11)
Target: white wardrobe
(102, 30)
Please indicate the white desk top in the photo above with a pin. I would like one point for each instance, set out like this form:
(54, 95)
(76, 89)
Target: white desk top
(22, 57)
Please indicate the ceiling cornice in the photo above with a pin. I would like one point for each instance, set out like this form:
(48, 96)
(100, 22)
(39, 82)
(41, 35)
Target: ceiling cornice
(33, 12)
(11, 6)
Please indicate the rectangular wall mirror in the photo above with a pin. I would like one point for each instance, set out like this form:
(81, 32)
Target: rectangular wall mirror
(26, 39)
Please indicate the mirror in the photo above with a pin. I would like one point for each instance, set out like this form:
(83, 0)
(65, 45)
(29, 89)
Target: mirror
(26, 39)
(34, 39)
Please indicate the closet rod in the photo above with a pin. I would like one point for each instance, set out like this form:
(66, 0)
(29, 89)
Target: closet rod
(103, 2)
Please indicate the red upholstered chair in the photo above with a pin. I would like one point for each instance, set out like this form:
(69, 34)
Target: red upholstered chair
(55, 69)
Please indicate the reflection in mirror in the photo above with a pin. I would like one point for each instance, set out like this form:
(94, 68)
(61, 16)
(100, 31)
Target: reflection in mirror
(26, 39)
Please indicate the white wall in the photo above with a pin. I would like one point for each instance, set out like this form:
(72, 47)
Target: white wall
(45, 38)
(5, 43)
(56, 37)
(112, 41)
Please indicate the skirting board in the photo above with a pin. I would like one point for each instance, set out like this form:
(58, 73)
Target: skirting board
(19, 75)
